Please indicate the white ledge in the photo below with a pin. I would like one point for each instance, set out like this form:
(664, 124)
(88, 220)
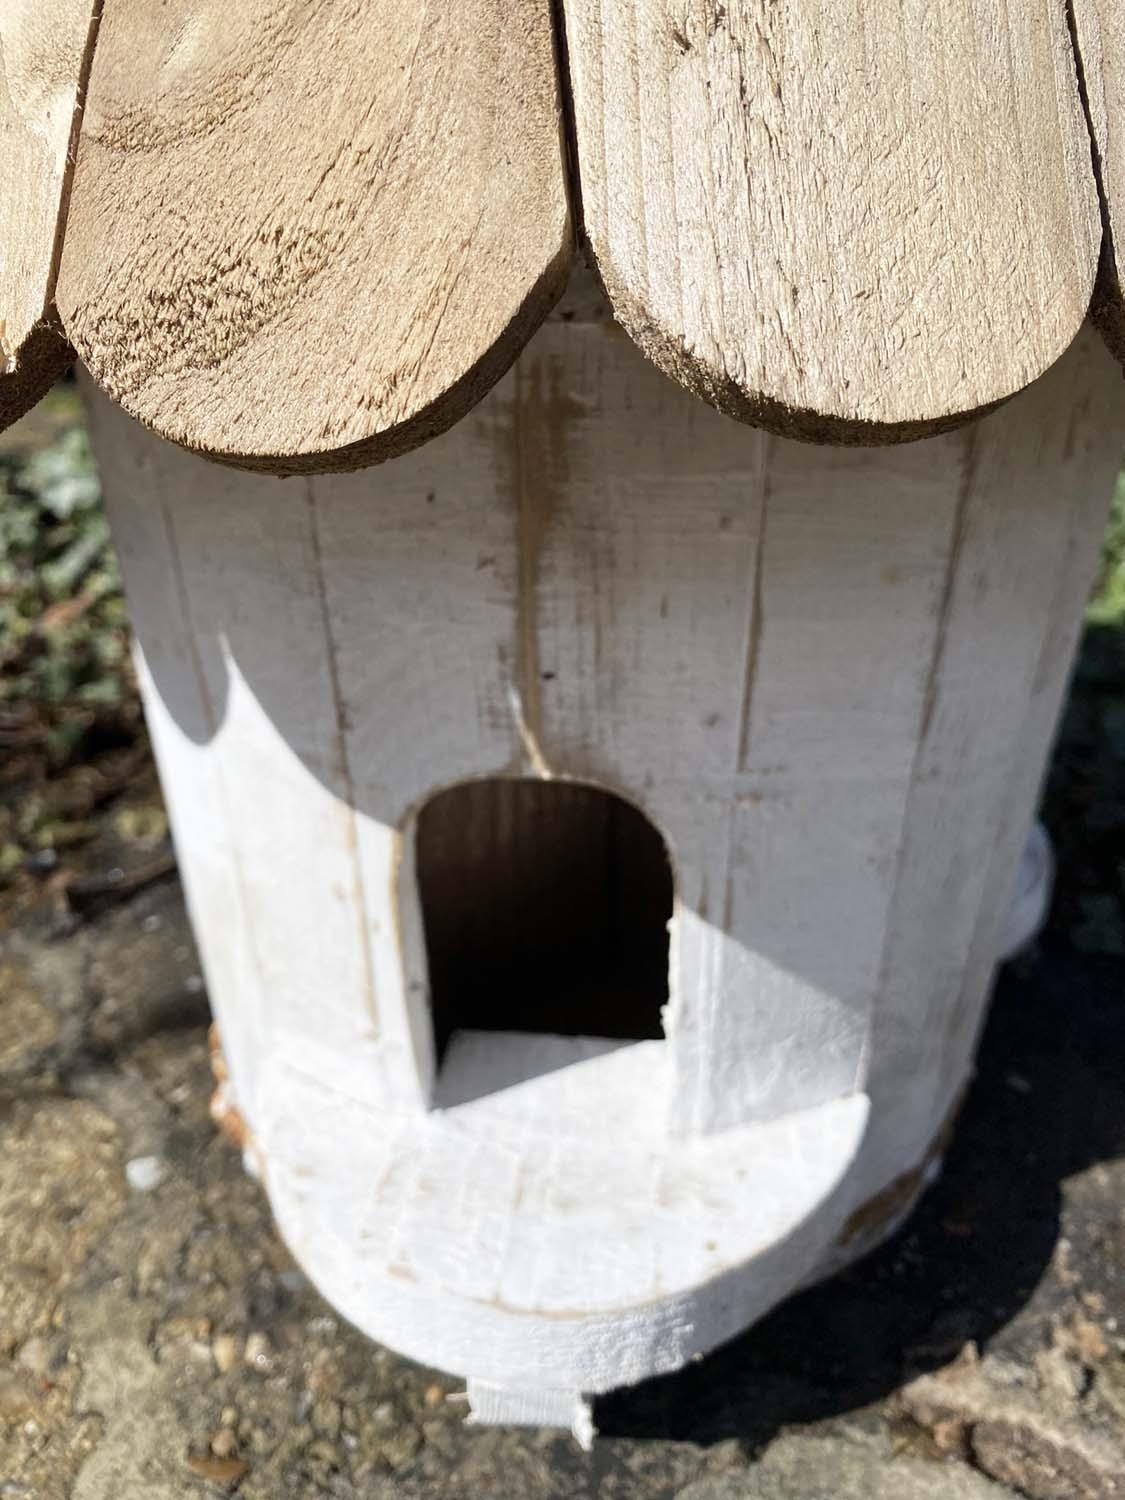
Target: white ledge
(543, 1230)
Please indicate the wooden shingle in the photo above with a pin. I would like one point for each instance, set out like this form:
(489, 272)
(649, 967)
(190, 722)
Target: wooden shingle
(44, 46)
(842, 221)
(1099, 27)
(311, 236)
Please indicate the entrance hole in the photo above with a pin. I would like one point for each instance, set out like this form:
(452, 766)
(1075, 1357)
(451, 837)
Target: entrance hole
(545, 907)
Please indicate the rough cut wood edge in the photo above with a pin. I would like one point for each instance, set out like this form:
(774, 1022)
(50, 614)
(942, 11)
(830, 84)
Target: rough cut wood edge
(1099, 37)
(45, 50)
(43, 357)
(309, 239)
(722, 192)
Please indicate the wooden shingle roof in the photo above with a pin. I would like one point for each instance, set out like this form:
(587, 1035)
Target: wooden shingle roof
(309, 234)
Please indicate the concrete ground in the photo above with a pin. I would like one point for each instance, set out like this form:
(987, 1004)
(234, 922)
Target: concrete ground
(156, 1341)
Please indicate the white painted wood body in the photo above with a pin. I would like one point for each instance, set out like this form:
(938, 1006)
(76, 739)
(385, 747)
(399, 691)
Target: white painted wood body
(828, 676)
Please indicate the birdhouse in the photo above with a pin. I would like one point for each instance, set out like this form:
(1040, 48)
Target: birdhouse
(602, 688)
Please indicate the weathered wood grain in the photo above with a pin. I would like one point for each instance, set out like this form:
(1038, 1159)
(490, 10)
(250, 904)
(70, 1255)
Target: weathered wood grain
(307, 237)
(843, 222)
(1099, 29)
(44, 48)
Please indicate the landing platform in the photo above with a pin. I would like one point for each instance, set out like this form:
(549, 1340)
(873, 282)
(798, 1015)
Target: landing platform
(538, 1227)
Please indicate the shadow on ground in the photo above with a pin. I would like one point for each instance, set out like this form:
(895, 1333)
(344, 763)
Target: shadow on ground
(1048, 1103)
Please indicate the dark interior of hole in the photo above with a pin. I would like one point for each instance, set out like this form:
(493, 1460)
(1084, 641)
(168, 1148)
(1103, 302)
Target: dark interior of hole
(546, 908)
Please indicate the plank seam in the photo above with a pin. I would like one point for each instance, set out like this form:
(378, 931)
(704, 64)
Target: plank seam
(925, 718)
(568, 126)
(1106, 291)
(72, 152)
(230, 843)
(340, 716)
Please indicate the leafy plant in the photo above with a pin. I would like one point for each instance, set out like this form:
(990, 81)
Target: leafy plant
(67, 694)
(1107, 606)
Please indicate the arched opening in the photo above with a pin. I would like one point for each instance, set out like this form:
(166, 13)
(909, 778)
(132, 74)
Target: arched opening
(545, 908)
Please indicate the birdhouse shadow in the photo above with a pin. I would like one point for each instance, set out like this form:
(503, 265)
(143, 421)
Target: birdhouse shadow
(995, 1250)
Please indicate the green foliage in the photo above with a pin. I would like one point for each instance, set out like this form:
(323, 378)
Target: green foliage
(1107, 607)
(1085, 793)
(63, 628)
(67, 696)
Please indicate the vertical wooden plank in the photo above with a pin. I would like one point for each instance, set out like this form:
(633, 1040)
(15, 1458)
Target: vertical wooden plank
(44, 55)
(851, 573)
(641, 522)
(254, 568)
(1039, 484)
(1089, 451)
(184, 710)
(252, 673)
(421, 587)
(737, 631)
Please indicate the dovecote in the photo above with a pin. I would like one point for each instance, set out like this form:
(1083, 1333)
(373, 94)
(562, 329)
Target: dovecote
(599, 816)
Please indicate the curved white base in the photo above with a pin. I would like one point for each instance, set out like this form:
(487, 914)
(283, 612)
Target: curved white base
(548, 1233)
